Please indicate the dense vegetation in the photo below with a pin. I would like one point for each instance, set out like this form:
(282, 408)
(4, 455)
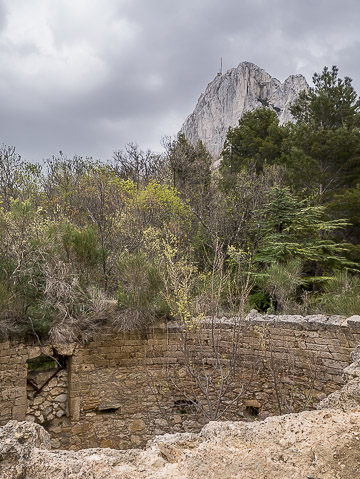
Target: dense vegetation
(276, 227)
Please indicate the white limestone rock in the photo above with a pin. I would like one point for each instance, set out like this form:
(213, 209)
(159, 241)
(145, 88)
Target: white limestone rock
(312, 444)
(230, 95)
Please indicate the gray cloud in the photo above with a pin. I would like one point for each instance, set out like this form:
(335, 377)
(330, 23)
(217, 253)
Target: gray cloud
(89, 77)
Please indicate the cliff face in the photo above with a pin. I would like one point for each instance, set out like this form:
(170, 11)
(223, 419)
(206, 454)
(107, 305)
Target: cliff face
(230, 95)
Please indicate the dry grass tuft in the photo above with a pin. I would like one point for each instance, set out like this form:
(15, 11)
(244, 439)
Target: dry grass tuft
(131, 320)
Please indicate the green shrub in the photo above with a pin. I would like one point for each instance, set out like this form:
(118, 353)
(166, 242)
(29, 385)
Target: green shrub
(341, 295)
(281, 281)
(140, 291)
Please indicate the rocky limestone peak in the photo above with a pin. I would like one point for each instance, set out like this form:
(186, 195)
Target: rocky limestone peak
(230, 95)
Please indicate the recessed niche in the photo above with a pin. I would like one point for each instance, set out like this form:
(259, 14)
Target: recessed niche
(184, 406)
(252, 408)
(252, 411)
(108, 407)
(109, 410)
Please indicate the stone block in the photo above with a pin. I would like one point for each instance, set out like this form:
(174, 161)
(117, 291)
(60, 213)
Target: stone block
(19, 412)
(20, 401)
(137, 425)
(317, 347)
(252, 403)
(353, 322)
(61, 398)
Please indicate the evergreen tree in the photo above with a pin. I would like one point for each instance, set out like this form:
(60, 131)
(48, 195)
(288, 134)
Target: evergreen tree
(323, 149)
(258, 139)
(332, 103)
(292, 229)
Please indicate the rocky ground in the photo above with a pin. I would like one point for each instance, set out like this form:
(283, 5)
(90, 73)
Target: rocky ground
(322, 444)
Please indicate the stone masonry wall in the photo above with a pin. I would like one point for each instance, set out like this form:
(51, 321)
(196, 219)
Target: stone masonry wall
(50, 398)
(121, 389)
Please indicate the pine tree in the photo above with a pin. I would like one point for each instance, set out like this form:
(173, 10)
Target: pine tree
(257, 140)
(323, 149)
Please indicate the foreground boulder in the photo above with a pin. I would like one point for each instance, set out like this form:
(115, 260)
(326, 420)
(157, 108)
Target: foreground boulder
(18, 441)
(322, 444)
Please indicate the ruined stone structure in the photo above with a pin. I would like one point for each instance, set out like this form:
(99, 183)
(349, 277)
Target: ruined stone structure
(112, 392)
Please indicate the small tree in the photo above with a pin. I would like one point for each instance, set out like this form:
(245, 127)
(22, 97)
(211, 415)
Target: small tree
(341, 295)
(211, 377)
(332, 102)
(18, 178)
(282, 281)
(191, 169)
(139, 166)
(296, 248)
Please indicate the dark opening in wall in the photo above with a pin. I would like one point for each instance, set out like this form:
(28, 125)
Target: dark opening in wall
(42, 369)
(108, 406)
(185, 406)
(43, 363)
(252, 408)
(109, 410)
(252, 411)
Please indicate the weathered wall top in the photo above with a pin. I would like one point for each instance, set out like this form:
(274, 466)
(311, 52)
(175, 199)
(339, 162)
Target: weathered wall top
(311, 320)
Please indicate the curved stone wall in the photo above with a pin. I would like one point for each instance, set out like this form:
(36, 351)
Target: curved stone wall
(123, 389)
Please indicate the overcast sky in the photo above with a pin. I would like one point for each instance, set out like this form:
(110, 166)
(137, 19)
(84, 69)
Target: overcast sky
(89, 76)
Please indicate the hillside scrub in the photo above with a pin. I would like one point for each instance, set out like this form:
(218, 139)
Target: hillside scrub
(163, 236)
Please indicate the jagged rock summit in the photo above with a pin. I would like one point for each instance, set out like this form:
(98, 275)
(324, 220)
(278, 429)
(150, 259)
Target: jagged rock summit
(230, 95)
